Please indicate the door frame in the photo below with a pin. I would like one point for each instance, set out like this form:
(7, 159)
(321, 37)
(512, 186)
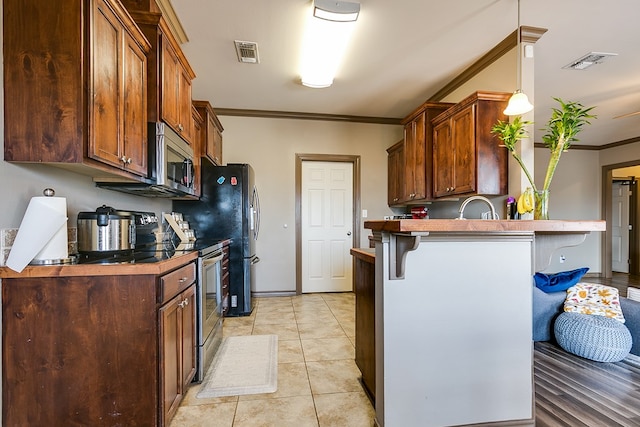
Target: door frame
(355, 161)
(607, 212)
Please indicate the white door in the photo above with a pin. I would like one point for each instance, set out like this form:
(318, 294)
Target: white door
(620, 228)
(327, 220)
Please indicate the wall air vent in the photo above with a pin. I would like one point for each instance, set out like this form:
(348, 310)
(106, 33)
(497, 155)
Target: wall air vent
(247, 52)
(586, 61)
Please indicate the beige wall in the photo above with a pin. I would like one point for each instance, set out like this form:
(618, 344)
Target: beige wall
(574, 194)
(270, 146)
(500, 76)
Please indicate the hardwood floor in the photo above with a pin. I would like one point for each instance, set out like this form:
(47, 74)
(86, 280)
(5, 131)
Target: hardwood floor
(621, 281)
(572, 391)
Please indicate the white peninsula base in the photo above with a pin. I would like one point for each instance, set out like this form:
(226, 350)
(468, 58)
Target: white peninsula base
(453, 318)
(455, 333)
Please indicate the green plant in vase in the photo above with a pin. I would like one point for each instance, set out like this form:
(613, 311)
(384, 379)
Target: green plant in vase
(561, 130)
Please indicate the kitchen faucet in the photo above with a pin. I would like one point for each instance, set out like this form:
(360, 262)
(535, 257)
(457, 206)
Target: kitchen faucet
(472, 198)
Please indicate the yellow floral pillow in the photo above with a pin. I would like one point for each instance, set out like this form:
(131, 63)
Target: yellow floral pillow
(592, 298)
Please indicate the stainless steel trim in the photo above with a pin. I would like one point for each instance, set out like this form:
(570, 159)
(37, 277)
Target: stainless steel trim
(209, 329)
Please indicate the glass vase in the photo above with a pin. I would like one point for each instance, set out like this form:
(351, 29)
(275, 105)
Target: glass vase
(541, 210)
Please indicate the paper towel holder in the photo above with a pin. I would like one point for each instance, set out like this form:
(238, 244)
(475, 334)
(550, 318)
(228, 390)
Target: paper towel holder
(70, 259)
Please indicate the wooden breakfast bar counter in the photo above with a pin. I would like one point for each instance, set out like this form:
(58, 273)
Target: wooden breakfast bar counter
(453, 317)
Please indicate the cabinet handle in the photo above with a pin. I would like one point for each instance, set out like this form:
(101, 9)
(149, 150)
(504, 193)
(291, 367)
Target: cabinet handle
(180, 127)
(412, 195)
(182, 280)
(123, 159)
(181, 304)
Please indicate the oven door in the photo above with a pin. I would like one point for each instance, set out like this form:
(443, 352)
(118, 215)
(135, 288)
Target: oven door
(210, 310)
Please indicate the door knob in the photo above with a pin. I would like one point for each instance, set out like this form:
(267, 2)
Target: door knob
(348, 233)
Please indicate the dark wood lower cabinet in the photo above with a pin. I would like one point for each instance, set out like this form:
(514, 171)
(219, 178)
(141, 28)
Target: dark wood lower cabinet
(364, 285)
(88, 351)
(177, 355)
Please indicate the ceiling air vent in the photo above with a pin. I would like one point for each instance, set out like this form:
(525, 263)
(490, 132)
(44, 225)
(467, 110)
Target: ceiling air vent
(247, 52)
(591, 58)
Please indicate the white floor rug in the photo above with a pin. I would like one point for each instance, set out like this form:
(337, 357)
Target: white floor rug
(243, 365)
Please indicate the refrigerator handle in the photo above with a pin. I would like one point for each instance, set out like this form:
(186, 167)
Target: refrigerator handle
(255, 260)
(256, 212)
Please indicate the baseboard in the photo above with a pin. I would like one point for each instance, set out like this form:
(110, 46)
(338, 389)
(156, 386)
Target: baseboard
(273, 294)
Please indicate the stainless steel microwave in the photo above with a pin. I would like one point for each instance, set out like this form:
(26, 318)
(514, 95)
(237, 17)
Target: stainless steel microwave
(171, 170)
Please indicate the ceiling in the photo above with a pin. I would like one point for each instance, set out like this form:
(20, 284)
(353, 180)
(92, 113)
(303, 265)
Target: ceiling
(404, 51)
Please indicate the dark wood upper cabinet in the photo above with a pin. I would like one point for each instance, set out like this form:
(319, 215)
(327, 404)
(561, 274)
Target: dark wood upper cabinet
(395, 173)
(211, 136)
(467, 158)
(169, 72)
(414, 177)
(75, 92)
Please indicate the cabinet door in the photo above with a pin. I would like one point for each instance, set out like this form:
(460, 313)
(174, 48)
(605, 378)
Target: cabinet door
(176, 93)
(105, 143)
(185, 117)
(170, 357)
(170, 85)
(134, 124)
(414, 152)
(178, 352)
(464, 145)
(395, 173)
(188, 309)
(216, 143)
(118, 125)
(442, 159)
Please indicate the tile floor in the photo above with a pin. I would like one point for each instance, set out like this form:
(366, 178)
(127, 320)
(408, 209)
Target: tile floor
(317, 377)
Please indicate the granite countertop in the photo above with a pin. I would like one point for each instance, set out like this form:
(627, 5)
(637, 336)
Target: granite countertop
(486, 226)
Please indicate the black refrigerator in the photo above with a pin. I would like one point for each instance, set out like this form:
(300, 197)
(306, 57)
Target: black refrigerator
(229, 207)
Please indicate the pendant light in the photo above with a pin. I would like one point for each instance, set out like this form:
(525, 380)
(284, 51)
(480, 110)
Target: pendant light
(519, 102)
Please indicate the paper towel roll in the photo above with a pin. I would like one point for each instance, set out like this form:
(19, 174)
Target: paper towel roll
(42, 234)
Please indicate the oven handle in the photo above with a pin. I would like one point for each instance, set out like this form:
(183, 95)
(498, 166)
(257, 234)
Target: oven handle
(210, 261)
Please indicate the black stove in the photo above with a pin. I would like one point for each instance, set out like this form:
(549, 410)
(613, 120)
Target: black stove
(150, 254)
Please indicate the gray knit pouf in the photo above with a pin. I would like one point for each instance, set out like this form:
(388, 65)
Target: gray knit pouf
(593, 337)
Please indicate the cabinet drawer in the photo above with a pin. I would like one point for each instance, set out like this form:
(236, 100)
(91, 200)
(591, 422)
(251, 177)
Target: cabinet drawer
(175, 282)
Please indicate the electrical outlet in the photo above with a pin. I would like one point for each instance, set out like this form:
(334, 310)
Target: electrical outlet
(562, 259)
(364, 213)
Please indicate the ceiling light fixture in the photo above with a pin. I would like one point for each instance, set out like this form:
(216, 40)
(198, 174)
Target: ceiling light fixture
(327, 34)
(519, 101)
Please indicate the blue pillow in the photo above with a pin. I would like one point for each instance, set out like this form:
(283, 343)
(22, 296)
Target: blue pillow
(557, 282)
